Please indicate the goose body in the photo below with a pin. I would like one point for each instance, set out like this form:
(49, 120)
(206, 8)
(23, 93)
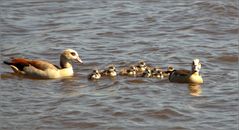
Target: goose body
(43, 69)
(187, 76)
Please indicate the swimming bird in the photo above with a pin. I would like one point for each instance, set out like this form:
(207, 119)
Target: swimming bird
(131, 71)
(141, 67)
(187, 76)
(169, 70)
(94, 75)
(43, 69)
(157, 73)
(110, 71)
(147, 73)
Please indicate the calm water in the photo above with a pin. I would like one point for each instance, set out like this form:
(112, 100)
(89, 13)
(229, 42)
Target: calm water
(161, 32)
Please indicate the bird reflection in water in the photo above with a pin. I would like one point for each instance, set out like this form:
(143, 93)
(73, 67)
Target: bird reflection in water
(194, 89)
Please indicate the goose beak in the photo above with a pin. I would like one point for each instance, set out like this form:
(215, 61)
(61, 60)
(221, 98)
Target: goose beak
(78, 60)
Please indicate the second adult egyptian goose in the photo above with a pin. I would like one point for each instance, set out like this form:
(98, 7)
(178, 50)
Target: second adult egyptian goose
(187, 76)
(43, 69)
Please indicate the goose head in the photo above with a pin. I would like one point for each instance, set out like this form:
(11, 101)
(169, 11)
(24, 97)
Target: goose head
(68, 56)
(196, 65)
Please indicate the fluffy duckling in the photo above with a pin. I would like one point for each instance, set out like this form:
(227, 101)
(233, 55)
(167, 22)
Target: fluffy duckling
(155, 70)
(110, 71)
(131, 71)
(187, 76)
(147, 73)
(169, 70)
(157, 73)
(141, 66)
(43, 69)
(94, 75)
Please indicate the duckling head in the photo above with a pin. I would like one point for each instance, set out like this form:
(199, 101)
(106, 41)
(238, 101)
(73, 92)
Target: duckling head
(148, 70)
(155, 70)
(196, 65)
(160, 74)
(132, 67)
(111, 68)
(95, 75)
(96, 71)
(142, 64)
(147, 73)
(170, 68)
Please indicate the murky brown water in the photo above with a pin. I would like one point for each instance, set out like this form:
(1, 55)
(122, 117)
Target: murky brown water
(161, 32)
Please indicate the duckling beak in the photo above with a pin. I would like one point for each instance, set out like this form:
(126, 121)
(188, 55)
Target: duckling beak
(78, 60)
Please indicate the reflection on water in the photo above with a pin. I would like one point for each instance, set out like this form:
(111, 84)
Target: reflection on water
(194, 89)
(160, 32)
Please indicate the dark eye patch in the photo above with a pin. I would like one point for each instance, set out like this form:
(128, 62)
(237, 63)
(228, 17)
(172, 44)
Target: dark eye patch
(73, 53)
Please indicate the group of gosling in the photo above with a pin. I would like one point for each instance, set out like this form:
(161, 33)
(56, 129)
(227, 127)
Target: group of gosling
(142, 70)
(35, 68)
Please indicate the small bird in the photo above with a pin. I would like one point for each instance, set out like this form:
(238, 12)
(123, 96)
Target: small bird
(43, 69)
(187, 76)
(110, 71)
(131, 71)
(157, 73)
(94, 75)
(141, 67)
(169, 70)
(147, 73)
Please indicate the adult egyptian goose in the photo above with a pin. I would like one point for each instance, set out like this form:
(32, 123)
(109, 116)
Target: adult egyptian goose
(186, 76)
(94, 75)
(43, 69)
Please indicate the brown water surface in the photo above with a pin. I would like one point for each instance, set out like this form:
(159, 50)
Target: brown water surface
(160, 32)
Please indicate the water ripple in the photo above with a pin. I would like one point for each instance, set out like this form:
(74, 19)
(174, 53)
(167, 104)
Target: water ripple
(161, 33)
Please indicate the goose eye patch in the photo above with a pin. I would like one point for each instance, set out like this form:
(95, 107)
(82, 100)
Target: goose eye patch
(73, 53)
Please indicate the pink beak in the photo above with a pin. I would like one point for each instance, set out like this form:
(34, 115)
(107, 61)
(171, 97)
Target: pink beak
(78, 60)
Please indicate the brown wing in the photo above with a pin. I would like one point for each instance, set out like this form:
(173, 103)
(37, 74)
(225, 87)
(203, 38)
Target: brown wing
(182, 72)
(20, 63)
(43, 65)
